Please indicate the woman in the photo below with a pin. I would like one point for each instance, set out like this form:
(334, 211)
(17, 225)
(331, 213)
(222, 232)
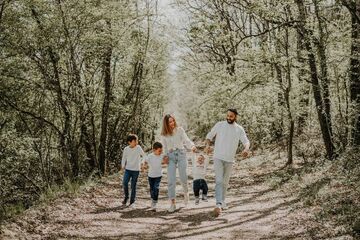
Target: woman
(173, 139)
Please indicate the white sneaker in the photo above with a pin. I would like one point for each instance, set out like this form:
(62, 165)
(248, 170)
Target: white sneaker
(197, 200)
(224, 206)
(153, 206)
(204, 198)
(172, 208)
(133, 206)
(186, 198)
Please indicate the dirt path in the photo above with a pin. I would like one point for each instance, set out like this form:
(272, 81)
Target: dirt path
(256, 211)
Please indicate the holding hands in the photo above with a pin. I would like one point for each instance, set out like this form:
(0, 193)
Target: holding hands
(165, 160)
(193, 149)
(144, 167)
(208, 150)
(246, 153)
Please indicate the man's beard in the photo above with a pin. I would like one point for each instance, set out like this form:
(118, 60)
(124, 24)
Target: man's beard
(230, 121)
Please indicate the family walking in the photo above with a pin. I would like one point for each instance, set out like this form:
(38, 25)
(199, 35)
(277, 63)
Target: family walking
(171, 151)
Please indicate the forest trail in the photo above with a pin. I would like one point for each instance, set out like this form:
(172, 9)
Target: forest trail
(256, 211)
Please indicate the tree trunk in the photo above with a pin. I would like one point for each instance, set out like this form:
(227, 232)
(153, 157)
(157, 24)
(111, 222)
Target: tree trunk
(355, 73)
(2, 10)
(354, 76)
(287, 97)
(324, 79)
(279, 127)
(86, 141)
(66, 143)
(305, 88)
(105, 108)
(326, 132)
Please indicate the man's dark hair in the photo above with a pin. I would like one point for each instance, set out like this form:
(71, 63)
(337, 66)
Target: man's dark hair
(131, 137)
(233, 110)
(157, 145)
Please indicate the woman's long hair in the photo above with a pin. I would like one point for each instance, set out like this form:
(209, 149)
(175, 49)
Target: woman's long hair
(166, 130)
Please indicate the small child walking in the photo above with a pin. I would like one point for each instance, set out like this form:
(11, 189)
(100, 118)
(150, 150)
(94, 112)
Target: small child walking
(199, 166)
(131, 161)
(153, 163)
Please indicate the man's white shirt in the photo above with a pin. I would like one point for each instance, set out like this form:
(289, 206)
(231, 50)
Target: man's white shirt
(227, 140)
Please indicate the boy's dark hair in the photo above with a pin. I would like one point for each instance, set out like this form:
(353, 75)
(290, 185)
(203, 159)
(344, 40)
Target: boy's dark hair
(131, 137)
(157, 145)
(233, 110)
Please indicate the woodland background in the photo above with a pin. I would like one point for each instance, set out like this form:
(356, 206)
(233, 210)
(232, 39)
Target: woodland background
(78, 76)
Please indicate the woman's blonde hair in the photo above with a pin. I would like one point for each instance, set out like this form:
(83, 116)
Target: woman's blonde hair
(166, 130)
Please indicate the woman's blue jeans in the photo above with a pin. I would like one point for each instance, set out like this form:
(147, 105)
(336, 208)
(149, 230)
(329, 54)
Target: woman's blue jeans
(177, 159)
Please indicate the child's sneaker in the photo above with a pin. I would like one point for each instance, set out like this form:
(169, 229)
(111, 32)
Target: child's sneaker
(124, 202)
(172, 208)
(197, 200)
(132, 205)
(153, 206)
(204, 198)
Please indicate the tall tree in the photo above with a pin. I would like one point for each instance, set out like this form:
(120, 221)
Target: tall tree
(319, 101)
(106, 103)
(354, 74)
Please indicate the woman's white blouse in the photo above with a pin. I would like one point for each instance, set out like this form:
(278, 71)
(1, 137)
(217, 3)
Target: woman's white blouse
(177, 140)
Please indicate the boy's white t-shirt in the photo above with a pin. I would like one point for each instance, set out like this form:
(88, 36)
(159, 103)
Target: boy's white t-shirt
(199, 170)
(131, 158)
(155, 166)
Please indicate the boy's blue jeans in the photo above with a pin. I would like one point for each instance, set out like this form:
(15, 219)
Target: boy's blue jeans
(154, 187)
(133, 175)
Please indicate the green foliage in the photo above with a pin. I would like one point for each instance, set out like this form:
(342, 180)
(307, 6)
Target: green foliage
(52, 67)
(18, 164)
(331, 188)
(241, 56)
(68, 188)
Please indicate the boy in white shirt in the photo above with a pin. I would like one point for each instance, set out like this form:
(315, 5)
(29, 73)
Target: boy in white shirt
(131, 161)
(153, 163)
(199, 166)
